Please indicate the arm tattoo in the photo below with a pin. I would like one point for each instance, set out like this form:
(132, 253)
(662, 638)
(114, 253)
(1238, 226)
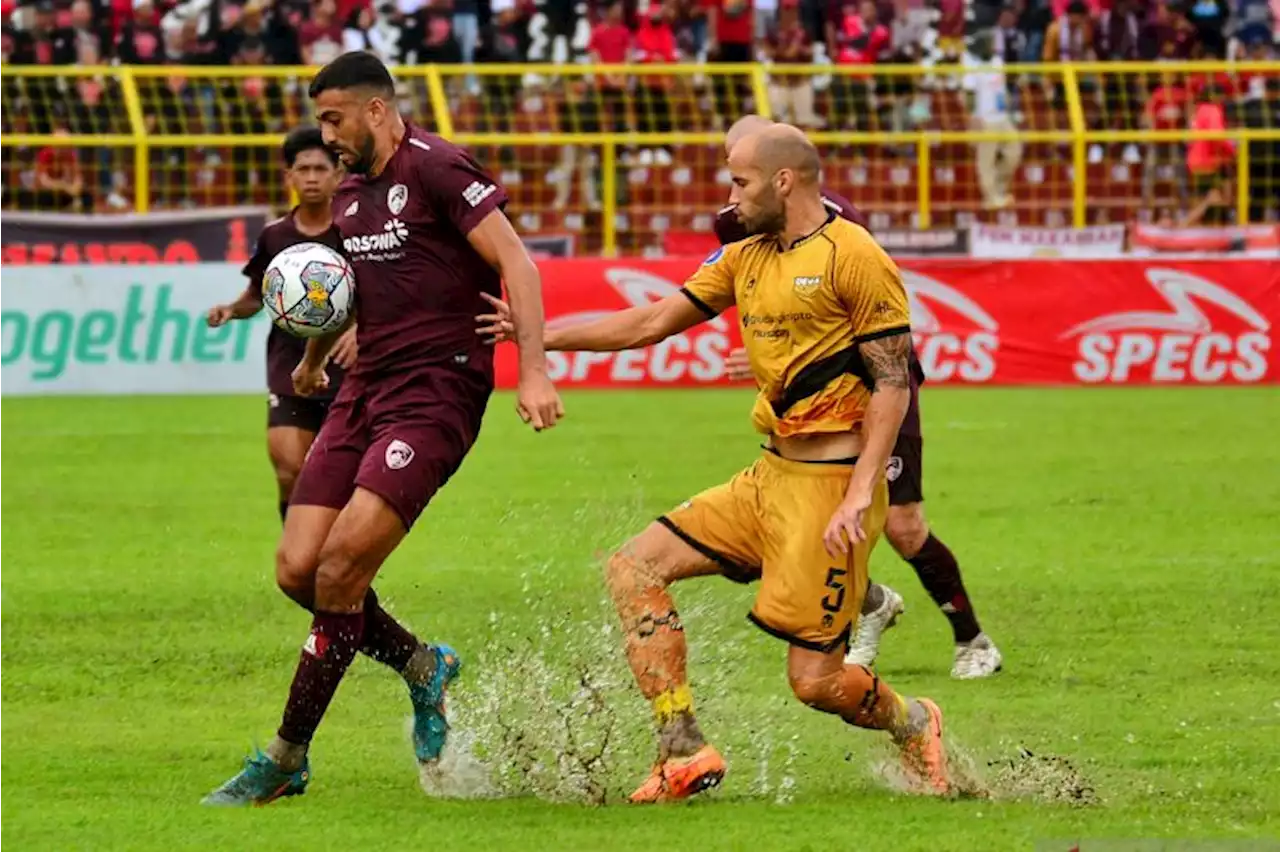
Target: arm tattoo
(886, 359)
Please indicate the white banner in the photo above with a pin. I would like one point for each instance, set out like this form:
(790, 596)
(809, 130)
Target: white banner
(1000, 242)
(73, 329)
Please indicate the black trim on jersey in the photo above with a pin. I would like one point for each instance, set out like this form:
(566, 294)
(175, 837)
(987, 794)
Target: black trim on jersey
(884, 332)
(850, 460)
(816, 376)
(831, 217)
(699, 304)
(820, 647)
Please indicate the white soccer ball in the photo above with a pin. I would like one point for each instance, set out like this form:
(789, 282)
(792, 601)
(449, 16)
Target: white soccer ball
(308, 290)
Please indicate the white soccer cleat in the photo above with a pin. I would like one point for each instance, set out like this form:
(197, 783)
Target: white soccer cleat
(865, 645)
(977, 658)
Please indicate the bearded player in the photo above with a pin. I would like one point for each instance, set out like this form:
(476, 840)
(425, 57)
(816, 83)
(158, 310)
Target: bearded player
(312, 172)
(976, 656)
(827, 330)
(423, 226)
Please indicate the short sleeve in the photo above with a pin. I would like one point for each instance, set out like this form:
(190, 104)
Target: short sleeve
(711, 286)
(870, 285)
(460, 191)
(256, 268)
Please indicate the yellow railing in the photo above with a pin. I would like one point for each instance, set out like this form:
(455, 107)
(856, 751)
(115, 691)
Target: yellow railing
(898, 140)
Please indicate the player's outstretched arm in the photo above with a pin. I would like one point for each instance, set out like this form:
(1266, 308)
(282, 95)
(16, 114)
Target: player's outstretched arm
(629, 329)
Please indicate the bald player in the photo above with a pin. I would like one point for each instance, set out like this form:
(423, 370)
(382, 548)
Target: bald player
(906, 528)
(827, 330)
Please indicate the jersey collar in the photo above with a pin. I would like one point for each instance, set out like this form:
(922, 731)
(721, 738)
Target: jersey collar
(831, 217)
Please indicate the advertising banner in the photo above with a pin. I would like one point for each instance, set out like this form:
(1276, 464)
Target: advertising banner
(126, 330)
(998, 241)
(1014, 322)
(204, 236)
(140, 329)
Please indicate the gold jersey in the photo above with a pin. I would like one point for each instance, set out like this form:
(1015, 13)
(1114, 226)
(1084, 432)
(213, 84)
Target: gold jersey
(803, 311)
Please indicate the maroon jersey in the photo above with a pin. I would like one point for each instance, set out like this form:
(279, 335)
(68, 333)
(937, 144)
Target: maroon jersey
(730, 230)
(418, 280)
(284, 351)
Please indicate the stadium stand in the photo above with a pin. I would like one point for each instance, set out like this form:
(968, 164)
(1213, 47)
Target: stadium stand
(604, 122)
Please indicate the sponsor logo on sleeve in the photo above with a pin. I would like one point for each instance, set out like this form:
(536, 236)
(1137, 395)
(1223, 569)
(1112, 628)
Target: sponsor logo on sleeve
(478, 192)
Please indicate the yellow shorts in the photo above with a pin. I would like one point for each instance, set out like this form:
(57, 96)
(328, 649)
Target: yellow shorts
(767, 523)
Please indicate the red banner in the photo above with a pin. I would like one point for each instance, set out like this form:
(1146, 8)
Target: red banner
(974, 322)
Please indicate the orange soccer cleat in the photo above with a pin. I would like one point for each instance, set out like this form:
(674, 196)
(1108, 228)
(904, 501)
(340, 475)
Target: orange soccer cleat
(924, 757)
(681, 777)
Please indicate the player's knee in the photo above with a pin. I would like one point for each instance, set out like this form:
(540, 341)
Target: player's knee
(906, 529)
(286, 478)
(340, 576)
(296, 574)
(816, 692)
(635, 566)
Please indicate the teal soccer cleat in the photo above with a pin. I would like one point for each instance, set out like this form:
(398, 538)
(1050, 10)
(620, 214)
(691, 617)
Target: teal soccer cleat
(430, 728)
(261, 782)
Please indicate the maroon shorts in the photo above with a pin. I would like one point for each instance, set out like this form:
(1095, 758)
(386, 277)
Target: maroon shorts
(399, 436)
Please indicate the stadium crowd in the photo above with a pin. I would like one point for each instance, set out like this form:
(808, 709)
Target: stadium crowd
(215, 33)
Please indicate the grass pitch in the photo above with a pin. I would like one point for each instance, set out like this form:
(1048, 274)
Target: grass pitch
(1121, 546)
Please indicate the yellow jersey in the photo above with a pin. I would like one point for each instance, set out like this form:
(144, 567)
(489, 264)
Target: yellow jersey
(803, 311)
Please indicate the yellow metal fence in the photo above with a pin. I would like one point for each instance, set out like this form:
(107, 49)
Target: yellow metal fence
(624, 156)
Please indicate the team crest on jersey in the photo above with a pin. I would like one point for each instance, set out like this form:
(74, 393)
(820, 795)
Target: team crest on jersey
(397, 198)
(714, 256)
(893, 468)
(806, 284)
(399, 454)
(352, 208)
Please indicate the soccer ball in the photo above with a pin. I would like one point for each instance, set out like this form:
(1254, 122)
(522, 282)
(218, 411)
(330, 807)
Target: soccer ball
(308, 289)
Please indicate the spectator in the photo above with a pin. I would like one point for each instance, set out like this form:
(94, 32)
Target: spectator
(855, 37)
(691, 28)
(503, 43)
(788, 43)
(1167, 36)
(1070, 37)
(281, 30)
(655, 44)
(44, 42)
(141, 41)
(1208, 160)
(8, 33)
(1167, 110)
(1009, 42)
(579, 112)
(466, 29)
(85, 30)
(610, 44)
(379, 31)
(1117, 38)
(764, 14)
(1261, 111)
(59, 182)
(988, 94)
(252, 105)
(1254, 22)
(1034, 17)
(1209, 18)
(430, 32)
(320, 37)
(950, 27)
(730, 38)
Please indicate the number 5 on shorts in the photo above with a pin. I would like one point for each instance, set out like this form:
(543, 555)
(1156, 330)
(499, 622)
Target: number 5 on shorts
(835, 582)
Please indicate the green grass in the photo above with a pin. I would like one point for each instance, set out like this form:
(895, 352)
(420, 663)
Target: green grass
(1120, 545)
